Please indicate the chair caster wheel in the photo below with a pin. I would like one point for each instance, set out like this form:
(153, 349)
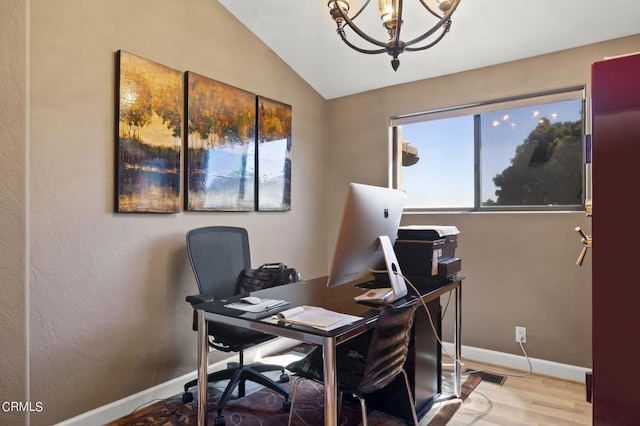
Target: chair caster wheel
(219, 421)
(286, 406)
(187, 397)
(284, 378)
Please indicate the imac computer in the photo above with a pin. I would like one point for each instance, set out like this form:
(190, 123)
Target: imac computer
(369, 227)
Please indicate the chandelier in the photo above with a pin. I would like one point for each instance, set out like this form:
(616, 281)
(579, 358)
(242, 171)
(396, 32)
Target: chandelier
(391, 16)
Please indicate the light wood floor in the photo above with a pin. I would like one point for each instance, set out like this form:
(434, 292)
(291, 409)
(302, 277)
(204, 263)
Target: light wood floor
(525, 401)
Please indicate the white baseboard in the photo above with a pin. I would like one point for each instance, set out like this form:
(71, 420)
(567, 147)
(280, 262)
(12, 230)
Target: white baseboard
(117, 409)
(519, 362)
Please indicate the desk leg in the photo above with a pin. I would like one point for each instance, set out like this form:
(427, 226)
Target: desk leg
(203, 364)
(457, 332)
(330, 382)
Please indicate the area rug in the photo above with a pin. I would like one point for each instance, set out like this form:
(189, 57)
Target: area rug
(263, 407)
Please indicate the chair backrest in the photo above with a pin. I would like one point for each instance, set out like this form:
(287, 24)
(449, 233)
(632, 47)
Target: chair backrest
(388, 348)
(217, 255)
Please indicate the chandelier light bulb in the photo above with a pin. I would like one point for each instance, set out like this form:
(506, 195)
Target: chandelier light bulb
(388, 13)
(445, 5)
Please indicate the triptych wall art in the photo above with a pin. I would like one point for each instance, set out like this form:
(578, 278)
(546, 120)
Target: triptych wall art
(274, 160)
(237, 143)
(221, 140)
(149, 136)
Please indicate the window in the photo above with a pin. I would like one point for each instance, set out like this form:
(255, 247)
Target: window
(517, 154)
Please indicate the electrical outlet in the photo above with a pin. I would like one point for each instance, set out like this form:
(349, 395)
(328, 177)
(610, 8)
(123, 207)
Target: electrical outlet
(521, 334)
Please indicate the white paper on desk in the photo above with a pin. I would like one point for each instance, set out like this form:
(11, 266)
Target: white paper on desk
(316, 317)
(265, 305)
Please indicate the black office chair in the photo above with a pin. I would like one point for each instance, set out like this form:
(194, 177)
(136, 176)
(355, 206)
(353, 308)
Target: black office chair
(217, 255)
(361, 373)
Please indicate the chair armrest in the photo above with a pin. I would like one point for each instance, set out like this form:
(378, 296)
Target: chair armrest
(199, 298)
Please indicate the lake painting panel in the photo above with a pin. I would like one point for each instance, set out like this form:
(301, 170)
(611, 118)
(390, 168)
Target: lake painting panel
(149, 142)
(274, 155)
(221, 140)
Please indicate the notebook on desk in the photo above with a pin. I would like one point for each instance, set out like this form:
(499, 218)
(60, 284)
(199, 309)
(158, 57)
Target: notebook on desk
(317, 317)
(264, 305)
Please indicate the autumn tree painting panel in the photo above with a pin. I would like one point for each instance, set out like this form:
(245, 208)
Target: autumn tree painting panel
(274, 155)
(221, 139)
(149, 136)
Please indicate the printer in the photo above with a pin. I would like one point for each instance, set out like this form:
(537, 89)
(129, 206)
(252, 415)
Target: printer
(427, 252)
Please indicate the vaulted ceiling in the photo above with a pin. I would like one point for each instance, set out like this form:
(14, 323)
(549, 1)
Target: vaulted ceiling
(483, 33)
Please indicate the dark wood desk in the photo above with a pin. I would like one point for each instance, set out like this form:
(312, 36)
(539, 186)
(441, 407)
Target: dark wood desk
(315, 293)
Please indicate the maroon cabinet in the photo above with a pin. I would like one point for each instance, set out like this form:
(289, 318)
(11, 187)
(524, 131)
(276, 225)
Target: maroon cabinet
(615, 95)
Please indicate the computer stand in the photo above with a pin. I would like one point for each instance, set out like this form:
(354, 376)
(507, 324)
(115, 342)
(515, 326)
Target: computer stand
(397, 287)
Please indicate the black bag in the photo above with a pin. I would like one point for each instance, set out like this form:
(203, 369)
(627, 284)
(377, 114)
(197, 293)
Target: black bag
(267, 275)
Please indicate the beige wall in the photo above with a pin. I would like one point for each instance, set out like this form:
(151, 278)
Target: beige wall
(13, 214)
(108, 315)
(520, 268)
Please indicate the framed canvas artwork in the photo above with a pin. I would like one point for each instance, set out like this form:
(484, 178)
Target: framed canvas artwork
(274, 155)
(221, 140)
(150, 102)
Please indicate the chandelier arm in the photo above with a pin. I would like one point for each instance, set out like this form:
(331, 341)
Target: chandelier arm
(358, 31)
(359, 49)
(416, 49)
(361, 10)
(426, 6)
(445, 21)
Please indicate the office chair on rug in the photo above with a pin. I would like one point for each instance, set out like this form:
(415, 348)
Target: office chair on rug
(217, 255)
(363, 373)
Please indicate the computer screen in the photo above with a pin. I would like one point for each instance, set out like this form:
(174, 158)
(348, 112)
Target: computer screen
(369, 212)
